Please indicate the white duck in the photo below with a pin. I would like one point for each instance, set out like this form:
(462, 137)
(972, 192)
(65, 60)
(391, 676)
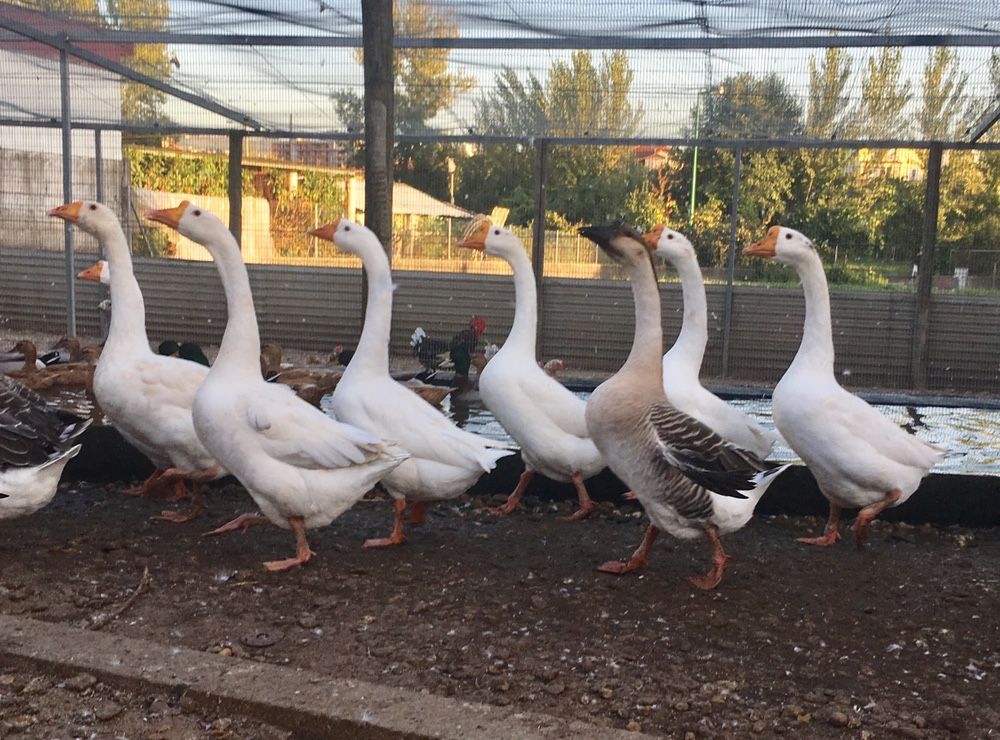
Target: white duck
(36, 442)
(302, 468)
(445, 461)
(858, 457)
(690, 481)
(538, 412)
(147, 396)
(682, 362)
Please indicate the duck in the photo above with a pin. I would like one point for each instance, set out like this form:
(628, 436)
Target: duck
(185, 350)
(301, 467)
(690, 481)
(14, 362)
(433, 394)
(148, 397)
(37, 440)
(539, 413)
(444, 460)
(310, 384)
(860, 459)
(69, 375)
(682, 362)
(66, 350)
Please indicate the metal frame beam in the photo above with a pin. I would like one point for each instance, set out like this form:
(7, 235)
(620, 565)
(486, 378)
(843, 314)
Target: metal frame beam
(127, 72)
(547, 42)
(784, 143)
(986, 121)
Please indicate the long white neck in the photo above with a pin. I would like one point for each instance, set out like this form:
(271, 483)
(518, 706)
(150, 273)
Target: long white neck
(816, 349)
(647, 344)
(128, 315)
(239, 352)
(688, 351)
(523, 332)
(372, 354)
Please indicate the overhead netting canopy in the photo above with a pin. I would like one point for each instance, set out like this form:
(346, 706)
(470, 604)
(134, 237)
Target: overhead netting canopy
(865, 70)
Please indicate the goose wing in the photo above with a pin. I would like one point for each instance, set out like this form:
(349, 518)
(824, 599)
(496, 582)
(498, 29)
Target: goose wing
(556, 402)
(700, 454)
(298, 434)
(31, 429)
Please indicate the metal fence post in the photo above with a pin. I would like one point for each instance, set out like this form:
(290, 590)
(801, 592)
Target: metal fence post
(543, 160)
(235, 191)
(727, 315)
(98, 169)
(925, 273)
(67, 165)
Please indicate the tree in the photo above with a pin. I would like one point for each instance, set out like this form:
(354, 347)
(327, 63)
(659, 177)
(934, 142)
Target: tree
(745, 106)
(424, 85)
(577, 98)
(884, 96)
(140, 103)
(827, 101)
(943, 95)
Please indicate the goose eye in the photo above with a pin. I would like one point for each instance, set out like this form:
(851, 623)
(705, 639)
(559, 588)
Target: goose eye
(788, 236)
(93, 207)
(197, 213)
(347, 228)
(496, 231)
(670, 236)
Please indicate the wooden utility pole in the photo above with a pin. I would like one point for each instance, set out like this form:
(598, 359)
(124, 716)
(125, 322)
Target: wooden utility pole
(925, 273)
(235, 187)
(376, 16)
(543, 162)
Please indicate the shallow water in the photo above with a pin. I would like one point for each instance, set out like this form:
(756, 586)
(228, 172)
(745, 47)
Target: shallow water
(971, 436)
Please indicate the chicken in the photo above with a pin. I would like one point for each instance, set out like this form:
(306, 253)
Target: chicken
(433, 352)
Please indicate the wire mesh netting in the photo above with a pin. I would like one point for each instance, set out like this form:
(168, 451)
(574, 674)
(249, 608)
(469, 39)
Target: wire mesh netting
(645, 108)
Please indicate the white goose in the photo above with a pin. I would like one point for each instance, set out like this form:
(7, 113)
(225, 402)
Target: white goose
(445, 461)
(682, 362)
(543, 417)
(36, 442)
(690, 481)
(147, 396)
(302, 468)
(859, 457)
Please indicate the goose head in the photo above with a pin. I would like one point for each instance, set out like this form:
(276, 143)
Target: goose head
(351, 237)
(94, 218)
(99, 272)
(621, 242)
(197, 224)
(784, 245)
(484, 236)
(671, 245)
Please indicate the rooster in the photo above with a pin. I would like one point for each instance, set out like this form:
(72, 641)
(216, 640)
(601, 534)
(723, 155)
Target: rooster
(433, 352)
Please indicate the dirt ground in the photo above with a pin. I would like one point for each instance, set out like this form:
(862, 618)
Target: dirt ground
(902, 639)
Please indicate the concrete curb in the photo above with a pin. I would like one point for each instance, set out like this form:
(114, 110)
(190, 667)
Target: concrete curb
(309, 704)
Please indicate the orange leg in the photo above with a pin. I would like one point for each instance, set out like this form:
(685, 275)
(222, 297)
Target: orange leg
(302, 551)
(397, 537)
(830, 533)
(867, 514)
(639, 558)
(242, 523)
(586, 505)
(719, 559)
(179, 517)
(147, 486)
(418, 512)
(514, 500)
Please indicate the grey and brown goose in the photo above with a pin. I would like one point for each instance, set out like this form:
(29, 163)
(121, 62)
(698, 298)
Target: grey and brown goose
(36, 442)
(690, 481)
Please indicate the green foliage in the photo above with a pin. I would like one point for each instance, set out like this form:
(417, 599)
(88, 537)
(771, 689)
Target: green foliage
(203, 175)
(844, 273)
(745, 106)
(827, 99)
(943, 95)
(884, 96)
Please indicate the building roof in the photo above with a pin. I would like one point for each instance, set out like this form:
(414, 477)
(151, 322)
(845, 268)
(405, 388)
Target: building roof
(56, 25)
(408, 201)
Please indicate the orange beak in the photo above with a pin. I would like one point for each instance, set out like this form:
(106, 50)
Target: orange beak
(326, 232)
(652, 238)
(69, 212)
(169, 216)
(475, 236)
(767, 246)
(92, 273)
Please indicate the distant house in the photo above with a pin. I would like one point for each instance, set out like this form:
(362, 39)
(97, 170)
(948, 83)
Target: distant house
(30, 158)
(652, 157)
(899, 164)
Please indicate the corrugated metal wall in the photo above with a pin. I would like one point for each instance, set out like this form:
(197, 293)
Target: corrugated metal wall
(586, 323)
